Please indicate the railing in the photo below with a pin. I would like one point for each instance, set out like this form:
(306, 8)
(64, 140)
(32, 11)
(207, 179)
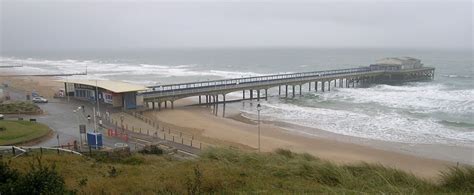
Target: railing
(184, 88)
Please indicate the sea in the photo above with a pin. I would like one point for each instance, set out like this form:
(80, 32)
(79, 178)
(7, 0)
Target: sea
(438, 112)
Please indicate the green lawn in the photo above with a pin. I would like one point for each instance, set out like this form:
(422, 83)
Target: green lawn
(18, 132)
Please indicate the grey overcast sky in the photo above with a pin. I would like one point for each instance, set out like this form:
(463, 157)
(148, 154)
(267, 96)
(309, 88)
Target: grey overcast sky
(70, 24)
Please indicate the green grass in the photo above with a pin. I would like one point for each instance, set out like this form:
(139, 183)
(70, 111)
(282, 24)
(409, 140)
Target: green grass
(224, 171)
(18, 132)
(19, 107)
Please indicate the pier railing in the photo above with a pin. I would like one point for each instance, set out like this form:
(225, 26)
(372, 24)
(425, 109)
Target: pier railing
(196, 87)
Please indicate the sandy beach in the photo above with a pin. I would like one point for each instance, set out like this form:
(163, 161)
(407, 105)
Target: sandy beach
(238, 132)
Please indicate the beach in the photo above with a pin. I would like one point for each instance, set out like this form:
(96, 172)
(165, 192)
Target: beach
(239, 132)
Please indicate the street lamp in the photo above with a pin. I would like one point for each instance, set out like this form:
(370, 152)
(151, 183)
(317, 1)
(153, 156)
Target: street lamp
(259, 107)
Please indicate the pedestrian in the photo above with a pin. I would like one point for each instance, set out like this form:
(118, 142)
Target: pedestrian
(83, 108)
(89, 118)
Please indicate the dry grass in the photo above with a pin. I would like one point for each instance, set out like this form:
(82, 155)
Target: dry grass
(226, 171)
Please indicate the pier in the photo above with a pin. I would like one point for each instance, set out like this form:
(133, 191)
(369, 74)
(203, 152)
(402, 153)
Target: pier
(289, 85)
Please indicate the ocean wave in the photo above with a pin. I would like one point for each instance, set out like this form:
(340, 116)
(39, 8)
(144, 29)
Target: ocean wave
(105, 70)
(381, 126)
(423, 98)
(457, 76)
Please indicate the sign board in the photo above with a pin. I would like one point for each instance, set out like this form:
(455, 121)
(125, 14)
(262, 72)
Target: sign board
(82, 129)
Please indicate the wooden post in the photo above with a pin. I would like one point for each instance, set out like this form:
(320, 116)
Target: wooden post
(258, 94)
(266, 94)
(293, 91)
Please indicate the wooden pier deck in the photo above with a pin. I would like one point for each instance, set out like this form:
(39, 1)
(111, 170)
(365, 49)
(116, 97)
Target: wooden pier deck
(317, 80)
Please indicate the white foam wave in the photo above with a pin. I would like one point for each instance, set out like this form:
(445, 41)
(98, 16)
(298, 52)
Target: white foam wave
(424, 98)
(105, 70)
(381, 126)
(456, 76)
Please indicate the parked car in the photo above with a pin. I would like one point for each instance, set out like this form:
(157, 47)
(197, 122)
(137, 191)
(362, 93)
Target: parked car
(40, 100)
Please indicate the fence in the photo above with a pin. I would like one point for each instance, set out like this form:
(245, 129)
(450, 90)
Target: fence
(157, 130)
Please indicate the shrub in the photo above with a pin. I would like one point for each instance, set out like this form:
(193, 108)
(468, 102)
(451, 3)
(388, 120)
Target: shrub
(40, 179)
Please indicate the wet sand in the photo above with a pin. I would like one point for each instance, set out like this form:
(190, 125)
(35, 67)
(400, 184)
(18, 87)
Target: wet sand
(237, 129)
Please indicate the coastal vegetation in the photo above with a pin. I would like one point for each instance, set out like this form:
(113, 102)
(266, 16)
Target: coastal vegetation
(18, 132)
(19, 107)
(219, 170)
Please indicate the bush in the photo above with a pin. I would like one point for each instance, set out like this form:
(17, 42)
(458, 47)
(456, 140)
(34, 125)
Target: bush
(8, 177)
(39, 179)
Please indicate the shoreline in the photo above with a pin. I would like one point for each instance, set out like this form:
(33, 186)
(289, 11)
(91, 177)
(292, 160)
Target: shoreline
(243, 131)
(240, 134)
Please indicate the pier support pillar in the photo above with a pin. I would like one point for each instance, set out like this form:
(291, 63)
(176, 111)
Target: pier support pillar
(309, 86)
(286, 91)
(166, 104)
(300, 90)
(199, 99)
(251, 94)
(159, 105)
(243, 94)
(258, 94)
(172, 104)
(223, 105)
(293, 91)
(322, 86)
(316, 86)
(334, 83)
(329, 85)
(266, 94)
(353, 83)
(279, 90)
(153, 105)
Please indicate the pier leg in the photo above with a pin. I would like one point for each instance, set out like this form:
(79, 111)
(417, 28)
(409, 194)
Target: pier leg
(223, 105)
(159, 105)
(251, 94)
(279, 90)
(322, 86)
(353, 83)
(258, 95)
(172, 104)
(309, 86)
(217, 104)
(316, 86)
(334, 83)
(166, 104)
(266, 95)
(153, 105)
(293, 91)
(300, 90)
(286, 91)
(243, 94)
(199, 99)
(329, 85)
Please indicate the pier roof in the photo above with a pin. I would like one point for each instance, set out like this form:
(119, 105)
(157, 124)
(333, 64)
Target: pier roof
(114, 86)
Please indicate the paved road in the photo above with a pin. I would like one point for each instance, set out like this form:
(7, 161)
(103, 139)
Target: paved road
(59, 115)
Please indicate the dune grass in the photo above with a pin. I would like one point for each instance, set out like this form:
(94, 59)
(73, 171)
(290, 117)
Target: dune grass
(17, 132)
(220, 170)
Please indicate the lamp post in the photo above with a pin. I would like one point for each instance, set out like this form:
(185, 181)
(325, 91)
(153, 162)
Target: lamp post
(259, 107)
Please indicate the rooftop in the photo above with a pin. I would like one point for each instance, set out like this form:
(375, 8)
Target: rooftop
(114, 86)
